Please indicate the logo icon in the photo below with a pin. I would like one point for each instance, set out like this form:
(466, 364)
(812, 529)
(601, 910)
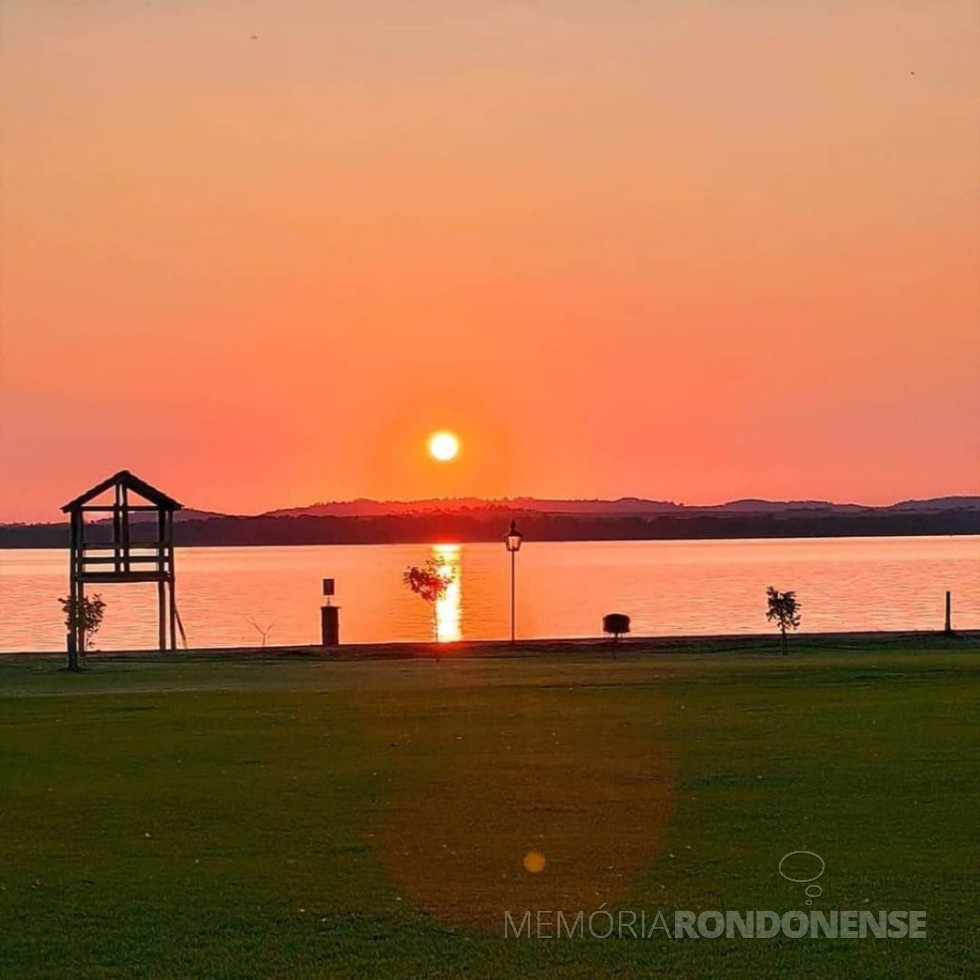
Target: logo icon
(799, 868)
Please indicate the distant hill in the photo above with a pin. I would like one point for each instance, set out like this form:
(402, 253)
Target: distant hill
(377, 508)
(622, 506)
(187, 514)
(937, 504)
(470, 519)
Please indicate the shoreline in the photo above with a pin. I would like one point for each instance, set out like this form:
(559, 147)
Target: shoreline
(15, 543)
(503, 649)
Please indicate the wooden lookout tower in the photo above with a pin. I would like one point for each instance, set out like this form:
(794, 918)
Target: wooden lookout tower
(131, 539)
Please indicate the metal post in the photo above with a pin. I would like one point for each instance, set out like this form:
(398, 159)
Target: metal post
(73, 631)
(173, 616)
(162, 613)
(117, 533)
(513, 598)
(162, 604)
(172, 570)
(949, 612)
(80, 637)
(77, 589)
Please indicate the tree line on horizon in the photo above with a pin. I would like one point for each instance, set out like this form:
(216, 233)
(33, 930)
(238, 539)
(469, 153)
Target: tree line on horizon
(465, 527)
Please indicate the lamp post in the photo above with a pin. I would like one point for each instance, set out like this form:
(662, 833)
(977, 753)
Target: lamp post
(513, 541)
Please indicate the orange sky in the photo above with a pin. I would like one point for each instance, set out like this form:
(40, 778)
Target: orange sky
(256, 252)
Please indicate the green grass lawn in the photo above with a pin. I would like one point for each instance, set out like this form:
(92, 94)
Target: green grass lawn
(181, 817)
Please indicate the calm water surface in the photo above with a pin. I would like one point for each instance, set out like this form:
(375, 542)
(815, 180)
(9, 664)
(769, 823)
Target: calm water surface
(227, 595)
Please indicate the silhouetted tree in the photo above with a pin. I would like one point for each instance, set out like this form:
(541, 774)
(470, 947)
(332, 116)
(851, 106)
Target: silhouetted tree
(264, 633)
(85, 615)
(430, 580)
(617, 624)
(784, 609)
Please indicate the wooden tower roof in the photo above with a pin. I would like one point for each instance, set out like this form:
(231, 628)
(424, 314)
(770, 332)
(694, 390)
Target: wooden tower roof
(133, 483)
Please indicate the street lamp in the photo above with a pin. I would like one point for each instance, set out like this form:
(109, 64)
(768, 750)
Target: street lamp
(513, 541)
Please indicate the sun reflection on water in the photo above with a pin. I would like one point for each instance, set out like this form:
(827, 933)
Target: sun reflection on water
(449, 608)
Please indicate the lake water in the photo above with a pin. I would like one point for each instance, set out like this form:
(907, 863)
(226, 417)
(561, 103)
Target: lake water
(226, 596)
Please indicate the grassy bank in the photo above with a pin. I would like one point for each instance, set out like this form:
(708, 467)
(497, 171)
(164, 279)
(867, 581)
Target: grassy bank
(295, 818)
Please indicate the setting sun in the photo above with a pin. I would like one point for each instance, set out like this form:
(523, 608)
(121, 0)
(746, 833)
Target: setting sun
(443, 446)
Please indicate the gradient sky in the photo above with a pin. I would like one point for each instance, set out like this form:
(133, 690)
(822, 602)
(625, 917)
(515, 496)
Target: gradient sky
(256, 251)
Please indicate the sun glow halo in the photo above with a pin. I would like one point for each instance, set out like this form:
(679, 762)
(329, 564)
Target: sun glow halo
(443, 446)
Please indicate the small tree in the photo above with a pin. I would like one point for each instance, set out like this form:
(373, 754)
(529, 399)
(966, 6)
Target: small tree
(82, 618)
(784, 609)
(264, 633)
(429, 580)
(617, 624)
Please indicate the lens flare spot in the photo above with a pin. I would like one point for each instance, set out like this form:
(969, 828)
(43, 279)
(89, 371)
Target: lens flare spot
(534, 862)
